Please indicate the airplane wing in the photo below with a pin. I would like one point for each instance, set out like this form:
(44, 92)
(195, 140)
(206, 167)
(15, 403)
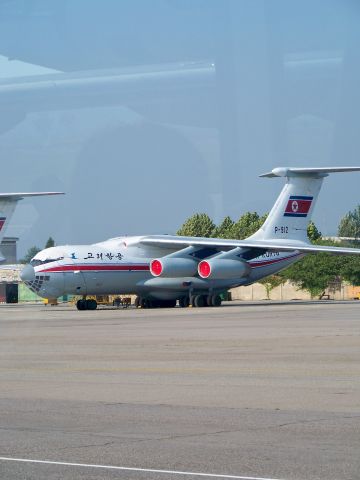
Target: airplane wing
(20, 196)
(168, 241)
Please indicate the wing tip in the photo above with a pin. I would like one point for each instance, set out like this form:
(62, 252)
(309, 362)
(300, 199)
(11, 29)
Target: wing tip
(19, 195)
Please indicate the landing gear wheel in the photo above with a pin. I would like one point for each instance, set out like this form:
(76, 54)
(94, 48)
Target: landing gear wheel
(91, 304)
(184, 302)
(199, 301)
(81, 304)
(84, 304)
(215, 300)
(162, 303)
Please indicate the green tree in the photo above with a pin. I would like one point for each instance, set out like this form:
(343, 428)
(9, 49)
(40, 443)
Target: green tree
(350, 269)
(314, 272)
(313, 233)
(248, 224)
(272, 282)
(199, 225)
(225, 229)
(30, 254)
(350, 224)
(50, 243)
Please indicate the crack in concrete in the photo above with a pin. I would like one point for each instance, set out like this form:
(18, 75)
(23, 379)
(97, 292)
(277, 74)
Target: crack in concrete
(314, 420)
(86, 446)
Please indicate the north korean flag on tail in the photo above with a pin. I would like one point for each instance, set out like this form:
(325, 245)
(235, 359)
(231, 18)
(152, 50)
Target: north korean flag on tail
(298, 206)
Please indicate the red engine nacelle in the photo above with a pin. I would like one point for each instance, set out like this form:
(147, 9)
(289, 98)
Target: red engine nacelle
(223, 269)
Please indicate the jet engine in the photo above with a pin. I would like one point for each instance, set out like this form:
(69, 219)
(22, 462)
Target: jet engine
(223, 269)
(170, 267)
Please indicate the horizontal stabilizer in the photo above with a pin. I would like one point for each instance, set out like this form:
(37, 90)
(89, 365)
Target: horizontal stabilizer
(316, 172)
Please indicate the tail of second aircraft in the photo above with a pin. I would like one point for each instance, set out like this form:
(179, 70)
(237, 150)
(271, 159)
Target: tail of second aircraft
(8, 203)
(290, 216)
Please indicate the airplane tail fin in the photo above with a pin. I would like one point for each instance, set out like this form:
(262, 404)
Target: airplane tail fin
(291, 213)
(8, 203)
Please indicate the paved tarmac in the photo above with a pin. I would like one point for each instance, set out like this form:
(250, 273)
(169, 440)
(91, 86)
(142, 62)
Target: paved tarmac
(246, 390)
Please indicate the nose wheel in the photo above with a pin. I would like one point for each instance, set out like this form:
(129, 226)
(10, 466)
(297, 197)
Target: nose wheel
(84, 304)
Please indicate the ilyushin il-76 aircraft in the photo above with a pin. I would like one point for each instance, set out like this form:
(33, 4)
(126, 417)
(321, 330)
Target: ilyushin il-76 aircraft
(163, 270)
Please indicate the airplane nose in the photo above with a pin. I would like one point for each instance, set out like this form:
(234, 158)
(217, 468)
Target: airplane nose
(27, 274)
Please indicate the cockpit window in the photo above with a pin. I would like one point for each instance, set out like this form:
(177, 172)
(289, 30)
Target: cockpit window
(35, 262)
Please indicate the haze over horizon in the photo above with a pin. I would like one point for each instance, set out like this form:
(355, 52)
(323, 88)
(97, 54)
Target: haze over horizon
(147, 112)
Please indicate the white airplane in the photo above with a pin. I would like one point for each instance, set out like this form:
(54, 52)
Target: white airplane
(8, 202)
(162, 269)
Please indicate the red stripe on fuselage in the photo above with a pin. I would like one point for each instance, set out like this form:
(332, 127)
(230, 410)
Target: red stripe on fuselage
(92, 268)
(270, 262)
(142, 268)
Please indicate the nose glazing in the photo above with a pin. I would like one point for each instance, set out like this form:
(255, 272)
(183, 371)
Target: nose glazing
(33, 281)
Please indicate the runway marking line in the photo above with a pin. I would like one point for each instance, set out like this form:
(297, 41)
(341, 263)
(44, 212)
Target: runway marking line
(133, 469)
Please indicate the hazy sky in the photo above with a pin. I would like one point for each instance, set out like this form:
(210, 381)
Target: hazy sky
(147, 112)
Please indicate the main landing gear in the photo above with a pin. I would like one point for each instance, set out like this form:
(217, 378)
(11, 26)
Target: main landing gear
(85, 304)
(184, 302)
(152, 303)
(205, 300)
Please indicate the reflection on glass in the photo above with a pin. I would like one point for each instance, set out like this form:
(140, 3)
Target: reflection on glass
(147, 112)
